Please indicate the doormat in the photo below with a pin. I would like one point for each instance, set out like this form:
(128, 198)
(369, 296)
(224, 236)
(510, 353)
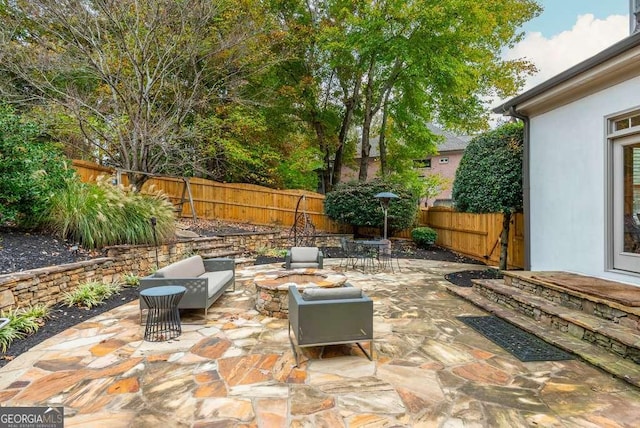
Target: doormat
(524, 346)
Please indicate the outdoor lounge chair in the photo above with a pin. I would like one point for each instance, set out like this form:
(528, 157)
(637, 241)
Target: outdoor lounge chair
(303, 257)
(330, 316)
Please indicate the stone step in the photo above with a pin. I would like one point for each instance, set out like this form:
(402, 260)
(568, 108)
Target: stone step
(610, 335)
(221, 252)
(606, 299)
(595, 355)
(213, 245)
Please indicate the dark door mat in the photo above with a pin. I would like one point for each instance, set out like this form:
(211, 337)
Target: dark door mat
(524, 346)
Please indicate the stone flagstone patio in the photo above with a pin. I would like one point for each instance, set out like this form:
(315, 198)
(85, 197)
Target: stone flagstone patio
(236, 369)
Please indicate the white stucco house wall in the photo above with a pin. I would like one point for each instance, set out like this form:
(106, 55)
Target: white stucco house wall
(582, 166)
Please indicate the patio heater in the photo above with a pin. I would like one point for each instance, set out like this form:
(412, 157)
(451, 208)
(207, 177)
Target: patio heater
(385, 198)
(154, 221)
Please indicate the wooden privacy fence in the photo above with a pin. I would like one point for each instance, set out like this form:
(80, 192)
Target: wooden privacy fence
(474, 235)
(247, 203)
(477, 235)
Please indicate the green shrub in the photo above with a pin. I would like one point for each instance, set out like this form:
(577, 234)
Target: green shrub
(354, 203)
(101, 214)
(31, 171)
(131, 280)
(271, 252)
(91, 294)
(489, 178)
(424, 236)
(22, 322)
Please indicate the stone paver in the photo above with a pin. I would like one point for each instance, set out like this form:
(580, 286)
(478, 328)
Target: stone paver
(236, 369)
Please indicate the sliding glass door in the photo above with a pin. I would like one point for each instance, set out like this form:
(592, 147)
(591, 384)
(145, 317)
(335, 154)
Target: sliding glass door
(626, 203)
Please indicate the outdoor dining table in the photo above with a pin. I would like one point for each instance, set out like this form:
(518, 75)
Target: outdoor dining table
(370, 257)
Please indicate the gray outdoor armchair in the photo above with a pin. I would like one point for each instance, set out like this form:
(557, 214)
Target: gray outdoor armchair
(303, 257)
(330, 316)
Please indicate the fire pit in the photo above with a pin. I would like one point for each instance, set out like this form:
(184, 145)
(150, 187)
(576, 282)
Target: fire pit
(273, 287)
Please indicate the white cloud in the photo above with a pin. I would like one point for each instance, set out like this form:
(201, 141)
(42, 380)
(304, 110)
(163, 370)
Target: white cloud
(564, 50)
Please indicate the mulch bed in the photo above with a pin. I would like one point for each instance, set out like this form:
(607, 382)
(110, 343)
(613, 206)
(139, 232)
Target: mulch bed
(23, 250)
(465, 278)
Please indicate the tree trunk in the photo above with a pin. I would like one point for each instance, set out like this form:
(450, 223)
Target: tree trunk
(504, 240)
(366, 149)
(382, 145)
(137, 180)
(350, 105)
(368, 113)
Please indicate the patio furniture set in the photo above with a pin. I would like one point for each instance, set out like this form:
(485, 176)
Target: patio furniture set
(322, 310)
(369, 255)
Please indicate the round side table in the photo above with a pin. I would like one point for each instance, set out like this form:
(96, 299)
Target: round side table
(163, 319)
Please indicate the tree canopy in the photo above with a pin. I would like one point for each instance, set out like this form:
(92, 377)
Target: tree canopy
(263, 92)
(489, 178)
(389, 68)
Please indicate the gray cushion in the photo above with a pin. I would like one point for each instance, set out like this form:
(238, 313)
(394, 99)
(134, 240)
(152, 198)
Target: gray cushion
(304, 254)
(216, 280)
(187, 268)
(316, 293)
(304, 265)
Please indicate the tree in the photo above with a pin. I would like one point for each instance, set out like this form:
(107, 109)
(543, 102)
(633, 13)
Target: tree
(434, 184)
(489, 178)
(134, 74)
(410, 62)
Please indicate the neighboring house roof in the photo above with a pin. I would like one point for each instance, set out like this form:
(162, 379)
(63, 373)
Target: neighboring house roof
(451, 142)
(595, 72)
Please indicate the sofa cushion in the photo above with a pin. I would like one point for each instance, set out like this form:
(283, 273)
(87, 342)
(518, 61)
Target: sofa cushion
(216, 280)
(304, 265)
(317, 293)
(304, 254)
(188, 268)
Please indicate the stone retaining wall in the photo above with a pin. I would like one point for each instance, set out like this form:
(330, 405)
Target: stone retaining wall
(48, 285)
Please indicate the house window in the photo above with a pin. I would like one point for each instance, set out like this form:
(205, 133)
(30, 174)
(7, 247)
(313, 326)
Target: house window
(626, 123)
(444, 160)
(624, 193)
(422, 163)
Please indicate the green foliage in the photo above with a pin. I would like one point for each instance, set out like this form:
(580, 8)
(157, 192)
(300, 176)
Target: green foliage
(152, 67)
(489, 178)
(416, 61)
(434, 184)
(22, 322)
(31, 171)
(424, 236)
(131, 280)
(91, 294)
(354, 203)
(271, 252)
(237, 144)
(97, 215)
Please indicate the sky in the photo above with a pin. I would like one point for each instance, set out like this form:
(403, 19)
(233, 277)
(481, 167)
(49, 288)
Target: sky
(568, 32)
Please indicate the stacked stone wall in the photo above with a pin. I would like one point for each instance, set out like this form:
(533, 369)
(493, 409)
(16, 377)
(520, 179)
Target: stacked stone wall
(48, 285)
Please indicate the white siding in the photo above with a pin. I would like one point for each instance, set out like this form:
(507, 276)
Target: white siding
(567, 161)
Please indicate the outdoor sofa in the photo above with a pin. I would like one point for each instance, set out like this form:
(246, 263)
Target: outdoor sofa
(330, 316)
(205, 280)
